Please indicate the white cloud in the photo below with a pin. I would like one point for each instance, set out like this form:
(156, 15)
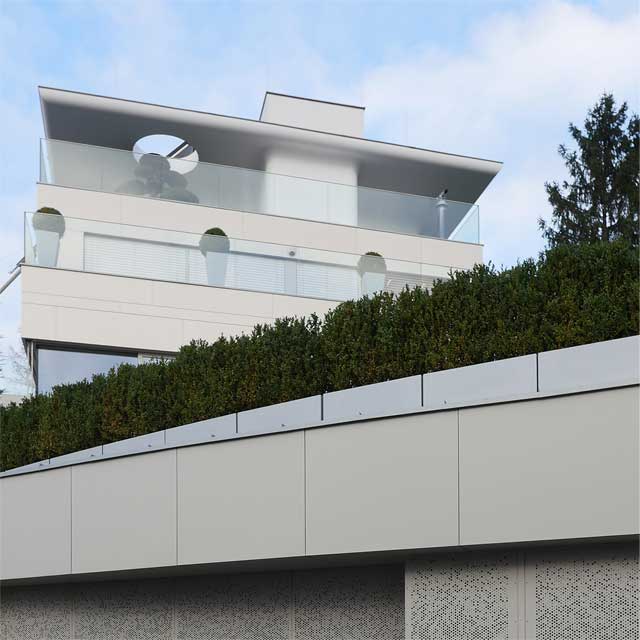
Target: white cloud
(508, 95)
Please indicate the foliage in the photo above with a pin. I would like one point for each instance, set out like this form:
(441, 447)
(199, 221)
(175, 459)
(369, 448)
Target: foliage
(600, 202)
(215, 231)
(573, 294)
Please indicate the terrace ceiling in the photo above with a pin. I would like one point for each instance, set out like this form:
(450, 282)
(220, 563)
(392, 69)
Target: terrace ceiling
(111, 122)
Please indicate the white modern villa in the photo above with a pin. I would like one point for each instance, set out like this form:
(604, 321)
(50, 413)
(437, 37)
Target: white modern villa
(491, 502)
(300, 195)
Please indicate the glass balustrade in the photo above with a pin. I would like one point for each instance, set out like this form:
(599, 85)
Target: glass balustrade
(175, 256)
(116, 171)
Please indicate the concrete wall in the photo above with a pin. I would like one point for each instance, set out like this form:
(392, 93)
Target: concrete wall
(542, 469)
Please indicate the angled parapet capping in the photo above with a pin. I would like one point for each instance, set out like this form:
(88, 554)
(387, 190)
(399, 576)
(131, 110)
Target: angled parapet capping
(202, 431)
(286, 415)
(590, 366)
(393, 396)
(138, 444)
(481, 383)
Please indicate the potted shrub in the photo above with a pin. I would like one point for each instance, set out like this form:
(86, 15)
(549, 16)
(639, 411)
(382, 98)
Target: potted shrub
(373, 272)
(48, 225)
(214, 246)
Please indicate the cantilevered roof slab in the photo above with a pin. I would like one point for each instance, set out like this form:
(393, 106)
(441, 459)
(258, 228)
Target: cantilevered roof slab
(112, 122)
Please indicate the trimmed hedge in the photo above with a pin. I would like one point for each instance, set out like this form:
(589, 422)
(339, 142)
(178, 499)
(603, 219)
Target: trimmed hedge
(571, 295)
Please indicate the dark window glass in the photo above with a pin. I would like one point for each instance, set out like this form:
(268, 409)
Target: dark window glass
(57, 366)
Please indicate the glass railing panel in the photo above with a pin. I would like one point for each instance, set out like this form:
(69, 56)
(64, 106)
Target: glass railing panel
(161, 254)
(117, 171)
(468, 229)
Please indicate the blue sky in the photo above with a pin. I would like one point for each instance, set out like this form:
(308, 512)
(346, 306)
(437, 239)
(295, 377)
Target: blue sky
(489, 78)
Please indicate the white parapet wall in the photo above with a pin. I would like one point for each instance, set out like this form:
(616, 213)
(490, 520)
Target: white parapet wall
(445, 462)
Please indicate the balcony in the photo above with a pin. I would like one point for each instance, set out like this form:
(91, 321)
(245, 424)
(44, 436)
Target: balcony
(175, 256)
(82, 166)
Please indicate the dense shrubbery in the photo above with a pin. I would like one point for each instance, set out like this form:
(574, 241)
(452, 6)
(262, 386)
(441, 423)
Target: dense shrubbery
(570, 296)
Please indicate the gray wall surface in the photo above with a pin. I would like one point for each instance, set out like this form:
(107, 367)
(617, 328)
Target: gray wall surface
(565, 467)
(327, 604)
(544, 469)
(570, 593)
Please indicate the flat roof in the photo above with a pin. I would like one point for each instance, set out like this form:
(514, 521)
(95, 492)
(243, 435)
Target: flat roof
(116, 123)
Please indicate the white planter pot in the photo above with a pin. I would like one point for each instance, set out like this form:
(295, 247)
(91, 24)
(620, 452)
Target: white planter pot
(217, 268)
(372, 282)
(47, 245)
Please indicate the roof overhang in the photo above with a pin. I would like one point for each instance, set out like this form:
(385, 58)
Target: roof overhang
(112, 122)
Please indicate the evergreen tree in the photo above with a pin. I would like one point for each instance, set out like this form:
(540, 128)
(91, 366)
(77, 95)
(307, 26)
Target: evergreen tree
(600, 201)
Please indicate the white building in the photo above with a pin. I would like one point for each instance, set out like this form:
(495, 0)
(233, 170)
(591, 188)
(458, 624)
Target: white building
(300, 194)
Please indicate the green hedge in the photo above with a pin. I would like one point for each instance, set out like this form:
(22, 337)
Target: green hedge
(569, 296)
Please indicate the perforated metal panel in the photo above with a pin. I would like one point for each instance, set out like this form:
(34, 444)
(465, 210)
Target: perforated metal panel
(36, 613)
(470, 596)
(242, 607)
(349, 604)
(576, 594)
(123, 610)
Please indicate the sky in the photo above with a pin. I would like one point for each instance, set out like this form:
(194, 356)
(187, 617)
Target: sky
(494, 79)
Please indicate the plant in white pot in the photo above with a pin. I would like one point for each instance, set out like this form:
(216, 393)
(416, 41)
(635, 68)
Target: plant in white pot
(48, 225)
(373, 273)
(214, 246)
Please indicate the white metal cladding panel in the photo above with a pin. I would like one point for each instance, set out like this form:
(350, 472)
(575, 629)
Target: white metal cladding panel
(591, 366)
(124, 513)
(480, 382)
(202, 431)
(553, 468)
(374, 399)
(36, 524)
(581, 593)
(296, 413)
(241, 499)
(388, 484)
(357, 603)
(470, 596)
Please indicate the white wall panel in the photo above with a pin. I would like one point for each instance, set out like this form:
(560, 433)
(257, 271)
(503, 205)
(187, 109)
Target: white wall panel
(386, 484)
(35, 511)
(241, 500)
(124, 513)
(556, 468)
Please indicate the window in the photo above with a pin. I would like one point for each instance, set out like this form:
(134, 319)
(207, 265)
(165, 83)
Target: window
(61, 366)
